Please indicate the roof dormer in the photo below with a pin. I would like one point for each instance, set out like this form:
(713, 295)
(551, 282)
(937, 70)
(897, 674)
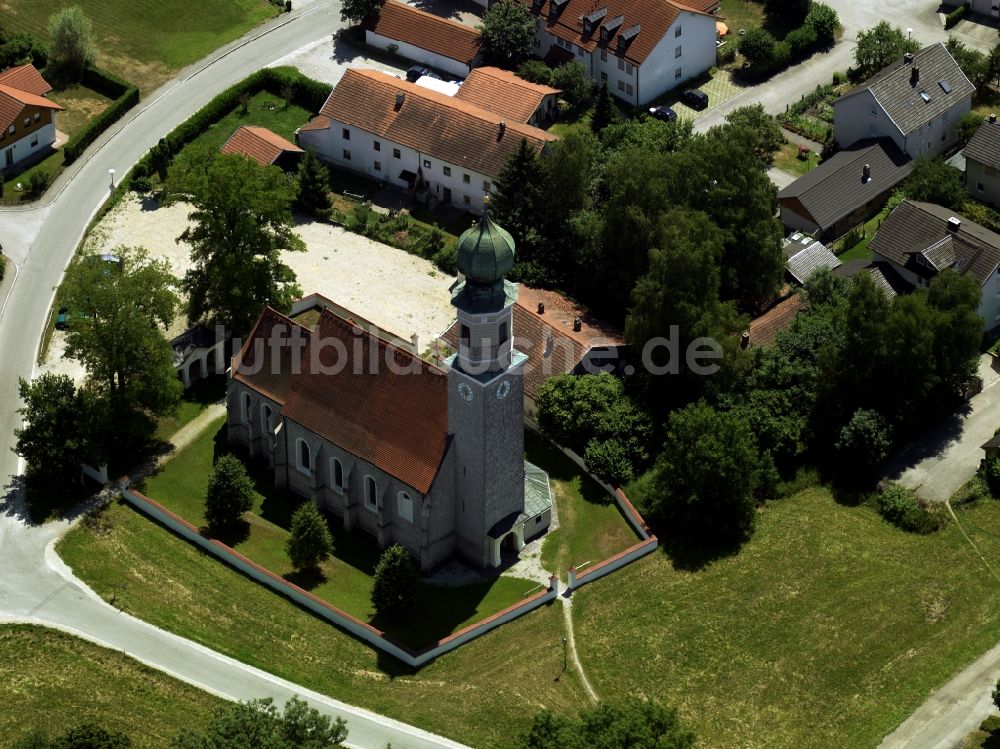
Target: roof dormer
(593, 18)
(609, 27)
(625, 38)
(555, 8)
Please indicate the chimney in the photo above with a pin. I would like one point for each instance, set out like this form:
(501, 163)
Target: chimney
(993, 119)
(908, 58)
(541, 308)
(503, 129)
(577, 324)
(954, 223)
(745, 340)
(866, 173)
(914, 75)
(400, 98)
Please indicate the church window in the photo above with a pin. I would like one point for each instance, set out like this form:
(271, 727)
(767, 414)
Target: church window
(304, 456)
(503, 333)
(265, 418)
(465, 335)
(245, 408)
(404, 506)
(371, 494)
(337, 475)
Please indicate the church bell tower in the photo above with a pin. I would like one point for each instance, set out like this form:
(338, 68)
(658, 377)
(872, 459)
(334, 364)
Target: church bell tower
(485, 395)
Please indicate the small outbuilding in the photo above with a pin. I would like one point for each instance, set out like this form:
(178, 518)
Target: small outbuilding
(263, 146)
(423, 37)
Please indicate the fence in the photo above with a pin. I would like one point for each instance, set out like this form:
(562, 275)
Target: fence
(375, 637)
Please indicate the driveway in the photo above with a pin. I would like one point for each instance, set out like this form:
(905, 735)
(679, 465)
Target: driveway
(947, 456)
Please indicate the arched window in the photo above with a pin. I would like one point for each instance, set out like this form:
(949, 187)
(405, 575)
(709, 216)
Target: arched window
(303, 456)
(245, 408)
(337, 474)
(371, 494)
(464, 334)
(266, 417)
(503, 333)
(404, 506)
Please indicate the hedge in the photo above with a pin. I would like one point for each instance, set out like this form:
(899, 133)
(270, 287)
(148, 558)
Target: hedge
(955, 16)
(125, 97)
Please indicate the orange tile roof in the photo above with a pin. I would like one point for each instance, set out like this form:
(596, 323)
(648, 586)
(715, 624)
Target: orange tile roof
(265, 362)
(764, 329)
(436, 125)
(560, 312)
(653, 17)
(394, 416)
(14, 100)
(319, 122)
(504, 93)
(26, 78)
(259, 144)
(441, 36)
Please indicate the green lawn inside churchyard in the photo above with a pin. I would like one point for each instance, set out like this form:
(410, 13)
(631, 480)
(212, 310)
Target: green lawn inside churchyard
(52, 681)
(195, 400)
(147, 41)
(344, 580)
(827, 629)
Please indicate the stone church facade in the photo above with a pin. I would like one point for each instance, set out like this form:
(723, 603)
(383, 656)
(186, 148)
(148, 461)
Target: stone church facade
(429, 458)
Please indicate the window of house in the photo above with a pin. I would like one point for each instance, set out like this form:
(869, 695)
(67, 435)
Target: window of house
(27, 122)
(337, 475)
(629, 67)
(979, 186)
(621, 85)
(486, 185)
(874, 111)
(34, 140)
(303, 456)
(378, 166)
(404, 506)
(677, 74)
(245, 408)
(621, 64)
(604, 55)
(628, 89)
(346, 133)
(447, 171)
(467, 200)
(579, 51)
(466, 179)
(427, 163)
(347, 155)
(38, 116)
(677, 32)
(604, 76)
(371, 494)
(677, 52)
(395, 153)
(266, 416)
(11, 129)
(376, 145)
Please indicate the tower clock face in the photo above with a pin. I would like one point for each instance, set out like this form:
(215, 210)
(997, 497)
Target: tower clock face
(503, 389)
(465, 391)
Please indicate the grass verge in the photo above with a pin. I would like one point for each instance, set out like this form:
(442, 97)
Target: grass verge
(53, 681)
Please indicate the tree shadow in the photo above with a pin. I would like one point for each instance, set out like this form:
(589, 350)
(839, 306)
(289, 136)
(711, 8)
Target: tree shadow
(931, 442)
(231, 535)
(306, 579)
(691, 554)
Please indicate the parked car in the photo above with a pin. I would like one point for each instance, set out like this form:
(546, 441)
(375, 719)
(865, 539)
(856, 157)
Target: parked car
(416, 72)
(695, 98)
(663, 113)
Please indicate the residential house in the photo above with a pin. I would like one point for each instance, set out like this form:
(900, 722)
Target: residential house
(263, 146)
(919, 240)
(916, 102)
(560, 337)
(27, 118)
(845, 190)
(444, 149)
(982, 163)
(430, 458)
(640, 48)
(425, 38)
(510, 96)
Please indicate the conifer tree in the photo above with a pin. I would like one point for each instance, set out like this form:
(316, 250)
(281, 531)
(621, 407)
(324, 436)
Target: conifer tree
(310, 542)
(605, 111)
(395, 585)
(230, 493)
(314, 185)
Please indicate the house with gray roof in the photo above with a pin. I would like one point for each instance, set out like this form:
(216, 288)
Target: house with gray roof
(982, 163)
(805, 255)
(919, 240)
(845, 190)
(916, 103)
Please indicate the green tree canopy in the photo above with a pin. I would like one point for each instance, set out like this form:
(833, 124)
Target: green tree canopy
(230, 493)
(520, 203)
(757, 46)
(506, 34)
(242, 223)
(635, 724)
(605, 111)
(535, 71)
(71, 43)
(309, 542)
(879, 46)
(394, 586)
(824, 21)
(314, 186)
(119, 311)
(574, 82)
(934, 181)
(359, 11)
(766, 131)
(259, 725)
(974, 64)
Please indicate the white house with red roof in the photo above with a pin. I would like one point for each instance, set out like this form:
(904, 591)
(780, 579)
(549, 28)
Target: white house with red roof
(640, 48)
(27, 118)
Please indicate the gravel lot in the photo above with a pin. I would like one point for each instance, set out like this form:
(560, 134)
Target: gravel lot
(327, 60)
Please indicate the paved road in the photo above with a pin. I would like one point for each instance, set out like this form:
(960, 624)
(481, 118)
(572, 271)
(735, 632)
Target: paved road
(34, 584)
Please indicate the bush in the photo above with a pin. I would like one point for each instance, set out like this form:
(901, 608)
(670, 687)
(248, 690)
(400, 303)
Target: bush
(823, 20)
(394, 586)
(140, 183)
(801, 41)
(839, 78)
(955, 16)
(572, 79)
(757, 47)
(782, 56)
(725, 54)
(609, 461)
(38, 182)
(535, 71)
(230, 493)
(968, 125)
(309, 541)
(902, 508)
(125, 97)
(991, 474)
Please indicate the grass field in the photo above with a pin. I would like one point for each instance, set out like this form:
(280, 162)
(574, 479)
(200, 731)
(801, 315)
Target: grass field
(345, 580)
(53, 681)
(195, 400)
(787, 159)
(145, 41)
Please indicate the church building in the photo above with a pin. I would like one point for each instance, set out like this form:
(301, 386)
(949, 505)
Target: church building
(430, 458)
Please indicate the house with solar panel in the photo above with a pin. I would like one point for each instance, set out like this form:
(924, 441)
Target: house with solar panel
(428, 457)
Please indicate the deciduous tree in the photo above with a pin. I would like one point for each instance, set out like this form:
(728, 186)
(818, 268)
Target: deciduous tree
(394, 586)
(768, 137)
(506, 34)
(359, 11)
(757, 47)
(635, 723)
(879, 46)
(71, 43)
(572, 79)
(258, 723)
(309, 542)
(242, 224)
(934, 181)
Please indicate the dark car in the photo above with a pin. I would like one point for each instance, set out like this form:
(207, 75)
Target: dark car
(695, 98)
(416, 72)
(663, 113)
